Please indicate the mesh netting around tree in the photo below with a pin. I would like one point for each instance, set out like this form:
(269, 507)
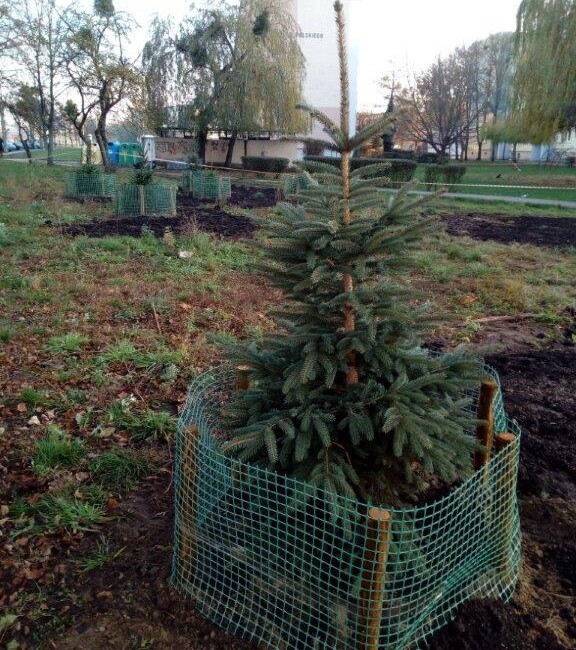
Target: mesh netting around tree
(295, 183)
(273, 560)
(207, 185)
(90, 185)
(146, 200)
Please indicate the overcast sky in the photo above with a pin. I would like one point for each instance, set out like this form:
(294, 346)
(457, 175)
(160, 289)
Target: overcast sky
(401, 34)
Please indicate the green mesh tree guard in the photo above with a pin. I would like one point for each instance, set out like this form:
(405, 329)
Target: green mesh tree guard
(94, 185)
(146, 200)
(271, 559)
(207, 185)
(294, 183)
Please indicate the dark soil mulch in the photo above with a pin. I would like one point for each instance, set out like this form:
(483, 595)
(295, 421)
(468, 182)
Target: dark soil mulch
(540, 392)
(191, 215)
(251, 197)
(539, 231)
(207, 217)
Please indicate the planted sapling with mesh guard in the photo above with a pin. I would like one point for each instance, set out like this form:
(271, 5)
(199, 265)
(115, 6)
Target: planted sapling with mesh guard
(304, 533)
(90, 182)
(143, 196)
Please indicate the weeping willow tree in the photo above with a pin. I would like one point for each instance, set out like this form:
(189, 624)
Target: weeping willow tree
(239, 68)
(543, 101)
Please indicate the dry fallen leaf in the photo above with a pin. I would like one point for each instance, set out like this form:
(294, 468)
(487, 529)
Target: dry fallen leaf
(21, 408)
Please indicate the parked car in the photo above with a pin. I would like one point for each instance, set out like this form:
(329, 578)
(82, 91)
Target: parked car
(10, 145)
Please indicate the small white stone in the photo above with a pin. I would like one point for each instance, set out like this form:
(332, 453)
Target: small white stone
(34, 420)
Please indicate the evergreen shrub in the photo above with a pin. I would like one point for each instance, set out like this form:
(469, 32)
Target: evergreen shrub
(428, 158)
(398, 154)
(443, 175)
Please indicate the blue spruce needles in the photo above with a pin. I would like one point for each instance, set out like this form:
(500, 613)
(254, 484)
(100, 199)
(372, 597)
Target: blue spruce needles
(344, 396)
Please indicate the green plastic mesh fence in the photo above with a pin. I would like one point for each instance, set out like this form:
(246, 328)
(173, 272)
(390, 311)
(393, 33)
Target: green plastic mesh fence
(146, 200)
(295, 183)
(266, 557)
(96, 185)
(207, 185)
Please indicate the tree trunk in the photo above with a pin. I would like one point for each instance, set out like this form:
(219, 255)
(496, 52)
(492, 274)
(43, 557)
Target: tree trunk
(100, 134)
(2, 124)
(230, 151)
(479, 154)
(202, 137)
(50, 148)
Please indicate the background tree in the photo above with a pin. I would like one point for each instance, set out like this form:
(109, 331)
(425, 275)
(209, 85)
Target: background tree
(97, 68)
(78, 115)
(242, 66)
(38, 39)
(496, 74)
(343, 395)
(25, 110)
(543, 97)
(437, 109)
(160, 87)
(388, 136)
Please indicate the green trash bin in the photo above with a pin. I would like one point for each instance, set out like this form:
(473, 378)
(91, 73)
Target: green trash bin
(137, 153)
(125, 153)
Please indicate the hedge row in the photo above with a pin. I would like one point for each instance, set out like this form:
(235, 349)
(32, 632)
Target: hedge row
(265, 163)
(441, 175)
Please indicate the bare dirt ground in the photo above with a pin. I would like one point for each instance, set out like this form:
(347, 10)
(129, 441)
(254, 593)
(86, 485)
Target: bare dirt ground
(539, 231)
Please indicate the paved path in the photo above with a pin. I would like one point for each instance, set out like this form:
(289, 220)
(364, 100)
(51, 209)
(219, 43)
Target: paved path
(555, 203)
(511, 199)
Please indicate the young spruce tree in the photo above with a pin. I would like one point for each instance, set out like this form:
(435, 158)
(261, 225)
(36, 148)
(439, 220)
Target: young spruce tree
(344, 396)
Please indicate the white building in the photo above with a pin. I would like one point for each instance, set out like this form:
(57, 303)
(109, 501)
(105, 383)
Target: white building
(318, 41)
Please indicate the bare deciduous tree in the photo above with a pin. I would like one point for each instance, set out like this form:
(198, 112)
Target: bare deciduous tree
(437, 108)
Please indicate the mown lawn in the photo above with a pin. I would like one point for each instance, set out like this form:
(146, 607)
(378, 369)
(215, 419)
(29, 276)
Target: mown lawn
(506, 179)
(61, 154)
(98, 341)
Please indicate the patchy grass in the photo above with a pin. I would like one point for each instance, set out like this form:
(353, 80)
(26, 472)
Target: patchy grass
(121, 469)
(103, 554)
(57, 450)
(470, 280)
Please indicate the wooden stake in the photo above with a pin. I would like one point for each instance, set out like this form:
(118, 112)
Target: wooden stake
(141, 200)
(506, 491)
(172, 193)
(502, 440)
(485, 430)
(189, 469)
(374, 575)
(243, 377)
